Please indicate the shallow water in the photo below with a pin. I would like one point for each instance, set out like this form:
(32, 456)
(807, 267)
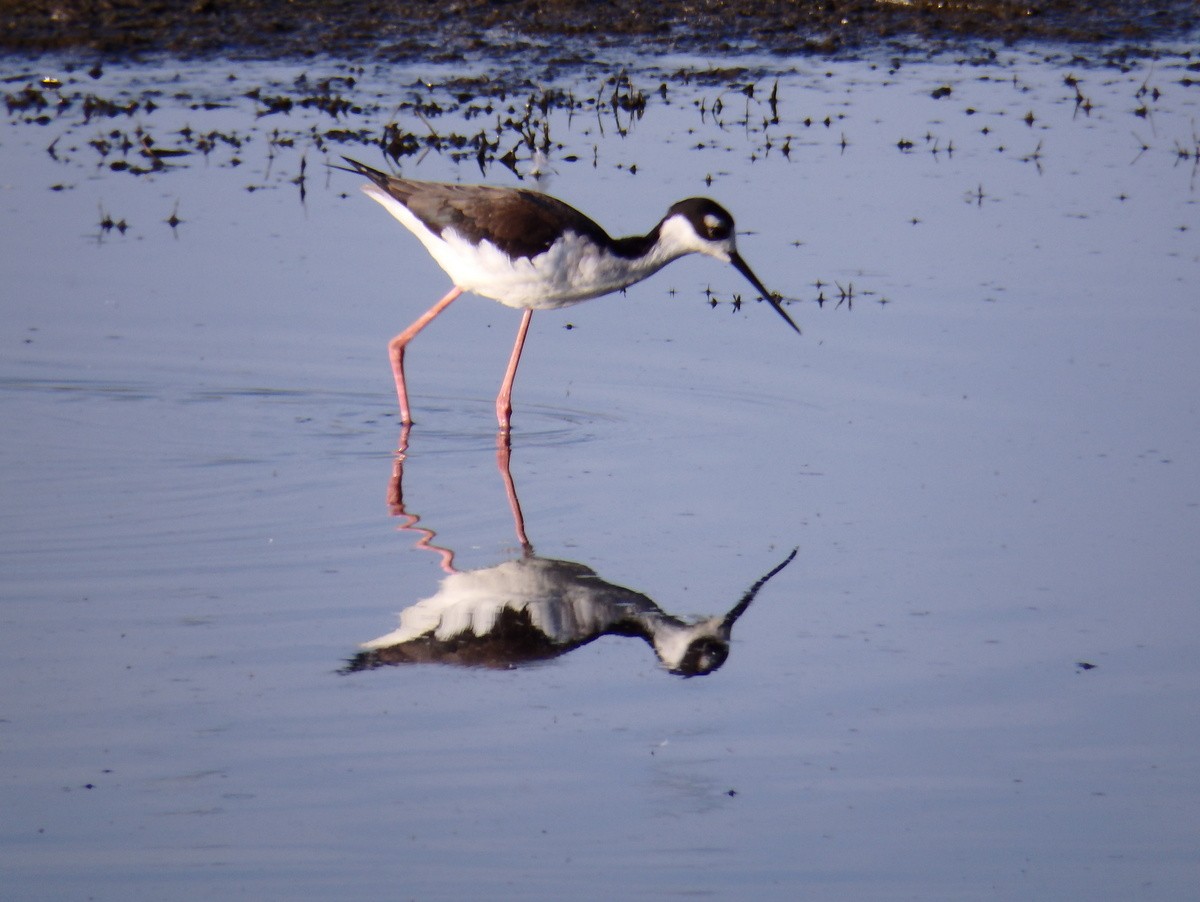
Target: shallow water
(986, 454)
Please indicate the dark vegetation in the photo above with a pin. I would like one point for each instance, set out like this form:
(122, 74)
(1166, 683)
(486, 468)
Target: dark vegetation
(396, 29)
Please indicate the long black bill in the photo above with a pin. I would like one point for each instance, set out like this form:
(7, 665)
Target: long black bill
(740, 608)
(740, 265)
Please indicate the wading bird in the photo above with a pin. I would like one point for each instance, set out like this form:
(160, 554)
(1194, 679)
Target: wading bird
(533, 252)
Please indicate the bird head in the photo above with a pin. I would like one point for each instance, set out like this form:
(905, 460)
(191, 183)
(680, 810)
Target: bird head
(702, 226)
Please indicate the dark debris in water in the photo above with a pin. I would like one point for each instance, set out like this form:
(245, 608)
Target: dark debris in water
(290, 126)
(469, 120)
(503, 117)
(506, 124)
(565, 28)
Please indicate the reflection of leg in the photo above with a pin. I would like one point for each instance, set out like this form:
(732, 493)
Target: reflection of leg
(402, 445)
(395, 499)
(503, 454)
(396, 348)
(395, 494)
(504, 399)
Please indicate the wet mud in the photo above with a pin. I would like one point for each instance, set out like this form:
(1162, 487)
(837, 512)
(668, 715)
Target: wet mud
(567, 28)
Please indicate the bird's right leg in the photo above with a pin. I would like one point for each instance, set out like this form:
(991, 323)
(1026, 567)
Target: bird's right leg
(396, 349)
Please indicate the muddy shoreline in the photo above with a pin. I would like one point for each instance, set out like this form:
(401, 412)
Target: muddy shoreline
(399, 30)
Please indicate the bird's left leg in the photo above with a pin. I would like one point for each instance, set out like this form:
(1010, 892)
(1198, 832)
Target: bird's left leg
(396, 349)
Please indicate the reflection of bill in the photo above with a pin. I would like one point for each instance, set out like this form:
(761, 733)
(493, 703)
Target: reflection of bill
(533, 609)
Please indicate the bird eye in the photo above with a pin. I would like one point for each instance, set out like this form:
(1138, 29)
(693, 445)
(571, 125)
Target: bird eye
(715, 228)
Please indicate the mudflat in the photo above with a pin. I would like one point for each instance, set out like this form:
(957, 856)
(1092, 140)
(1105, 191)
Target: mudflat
(400, 29)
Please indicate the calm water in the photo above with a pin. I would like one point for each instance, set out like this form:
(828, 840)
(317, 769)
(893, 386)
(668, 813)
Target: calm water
(987, 455)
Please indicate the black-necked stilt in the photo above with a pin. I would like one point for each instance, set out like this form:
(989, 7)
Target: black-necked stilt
(533, 252)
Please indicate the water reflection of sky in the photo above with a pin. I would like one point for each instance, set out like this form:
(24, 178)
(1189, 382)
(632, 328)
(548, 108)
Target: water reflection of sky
(991, 477)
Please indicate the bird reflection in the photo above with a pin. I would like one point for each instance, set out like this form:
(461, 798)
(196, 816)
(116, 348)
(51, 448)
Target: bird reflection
(534, 609)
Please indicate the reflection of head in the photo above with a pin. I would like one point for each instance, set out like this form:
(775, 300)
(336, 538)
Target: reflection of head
(701, 648)
(702, 657)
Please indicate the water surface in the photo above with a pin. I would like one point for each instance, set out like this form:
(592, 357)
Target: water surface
(976, 679)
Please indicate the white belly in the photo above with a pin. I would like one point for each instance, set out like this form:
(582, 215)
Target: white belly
(572, 270)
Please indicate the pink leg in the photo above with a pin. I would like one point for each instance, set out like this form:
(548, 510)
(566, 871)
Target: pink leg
(504, 399)
(396, 349)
